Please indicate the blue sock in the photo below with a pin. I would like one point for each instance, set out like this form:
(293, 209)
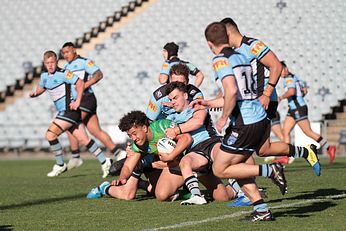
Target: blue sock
(94, 149)
(235, 186)
(192, 184)
(56, 147)
(260, 206)
(265, 170)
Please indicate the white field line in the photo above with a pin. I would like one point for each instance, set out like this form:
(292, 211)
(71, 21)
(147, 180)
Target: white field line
(237, 214)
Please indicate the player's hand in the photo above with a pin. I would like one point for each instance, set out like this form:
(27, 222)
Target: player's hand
(129, 151)
(264, 100)
(170, 133)
(167, 104)
(33, 94)
(119, 182)
(199, 104)
(74, 105)
(220, 123)
(280, 98)
(165, 157)
(159, 164)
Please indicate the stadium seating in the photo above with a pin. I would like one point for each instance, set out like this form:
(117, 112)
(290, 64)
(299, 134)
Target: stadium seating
(308, 35)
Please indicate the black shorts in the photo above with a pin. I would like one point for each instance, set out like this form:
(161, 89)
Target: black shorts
(246, 139)
(276, 119)
(71, 116)
(272, 109)
(300, 113)
(88, 103)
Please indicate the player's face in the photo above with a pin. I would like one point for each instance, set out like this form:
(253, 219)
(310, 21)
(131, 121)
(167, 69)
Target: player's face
(69, 53)
(138, 134)
(178, 78)
(179, 100)
(50, 64)
(165, 54)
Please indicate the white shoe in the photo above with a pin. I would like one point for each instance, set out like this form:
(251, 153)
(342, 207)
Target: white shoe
(120, 155)
(74, 163)
(57, 170)
(105, 167)
(291, 160)
(194, 200)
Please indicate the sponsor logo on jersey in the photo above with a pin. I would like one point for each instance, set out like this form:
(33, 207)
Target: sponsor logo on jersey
(257, 48)
(165, 66)
(221, 63)
(152, 106)
(232, 138)
(90, 63)
(289, 81)
(69, 74)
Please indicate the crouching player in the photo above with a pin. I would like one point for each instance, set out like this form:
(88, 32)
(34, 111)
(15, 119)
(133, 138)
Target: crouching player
(143, 150)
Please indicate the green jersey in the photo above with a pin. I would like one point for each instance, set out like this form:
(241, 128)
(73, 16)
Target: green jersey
(158, 128)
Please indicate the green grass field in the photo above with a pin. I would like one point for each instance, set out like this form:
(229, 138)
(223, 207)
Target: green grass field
(31, 201)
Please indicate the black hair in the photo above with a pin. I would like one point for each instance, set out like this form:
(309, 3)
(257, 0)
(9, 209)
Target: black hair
(133, 119)
(231, 22)
(172, 49)
(216, 33)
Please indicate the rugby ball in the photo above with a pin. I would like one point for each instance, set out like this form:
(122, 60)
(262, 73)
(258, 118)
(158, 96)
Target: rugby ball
(165, 145)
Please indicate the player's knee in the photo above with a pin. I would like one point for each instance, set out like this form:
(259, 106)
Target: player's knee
(218, 172)
(185, 163)
(161, 195)
(51, 136)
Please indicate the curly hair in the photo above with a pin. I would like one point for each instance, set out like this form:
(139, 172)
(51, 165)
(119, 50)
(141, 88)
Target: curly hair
(133, 119)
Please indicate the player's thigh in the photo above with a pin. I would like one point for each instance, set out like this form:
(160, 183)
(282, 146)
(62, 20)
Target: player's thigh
(194, 161)
(214, 186)
(56, 128)
(167, 184)
(225, 159)
(93, 124)
(80, 133)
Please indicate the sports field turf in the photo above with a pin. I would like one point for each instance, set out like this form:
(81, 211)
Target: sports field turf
(31, 201)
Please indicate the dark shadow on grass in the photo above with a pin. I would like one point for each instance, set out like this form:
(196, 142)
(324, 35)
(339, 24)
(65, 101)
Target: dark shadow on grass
(41, 202)
(6, 227)
(318, 194)
(305, 211)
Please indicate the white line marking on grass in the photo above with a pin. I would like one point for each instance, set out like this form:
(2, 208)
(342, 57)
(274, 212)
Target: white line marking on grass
(237, 214)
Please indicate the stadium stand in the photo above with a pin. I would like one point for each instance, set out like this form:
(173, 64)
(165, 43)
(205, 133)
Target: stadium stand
(308, 35)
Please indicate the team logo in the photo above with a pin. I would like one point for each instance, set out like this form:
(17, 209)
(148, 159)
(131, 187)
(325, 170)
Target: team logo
(152, 106)
(158, 94)
(232, 138)
(192, 92)
(165, 66)
(90, 63)
(69, 74)
(257, 48)
(221, 63)
(289, 81)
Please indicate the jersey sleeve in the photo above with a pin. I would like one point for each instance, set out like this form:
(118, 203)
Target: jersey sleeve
(70, 77)
(134, 148)
(165, 68)
(193, 69)
(222, 68)
(258, 49)
(43, 81)
(290, 82)
(154, 108)
(91, 67)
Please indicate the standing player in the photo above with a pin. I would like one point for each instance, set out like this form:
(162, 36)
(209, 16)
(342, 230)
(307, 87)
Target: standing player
(170, 54)
(86, 70)
(67, 99)
(266, 70)
(298, 111)
(248, 121)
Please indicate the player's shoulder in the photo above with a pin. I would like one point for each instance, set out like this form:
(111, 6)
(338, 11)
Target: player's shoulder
(160, 92)
(160, 124)
(192, 90)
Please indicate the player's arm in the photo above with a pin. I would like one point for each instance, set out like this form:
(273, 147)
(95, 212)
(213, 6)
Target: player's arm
(38, 91)
(194, 123)
(199, 79)
(154, 108)
(80, 89)
(183, 142)
(290, 92)
(129, 165)
(230, 99)
(273, 64)
(201, 104)
(97, 76)
(163, 78)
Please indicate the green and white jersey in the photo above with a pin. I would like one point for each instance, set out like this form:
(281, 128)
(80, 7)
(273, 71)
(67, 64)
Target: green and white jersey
(158, 129)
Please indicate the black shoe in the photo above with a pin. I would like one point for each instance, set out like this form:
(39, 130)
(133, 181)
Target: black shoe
(278, 177)
(259, 216)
